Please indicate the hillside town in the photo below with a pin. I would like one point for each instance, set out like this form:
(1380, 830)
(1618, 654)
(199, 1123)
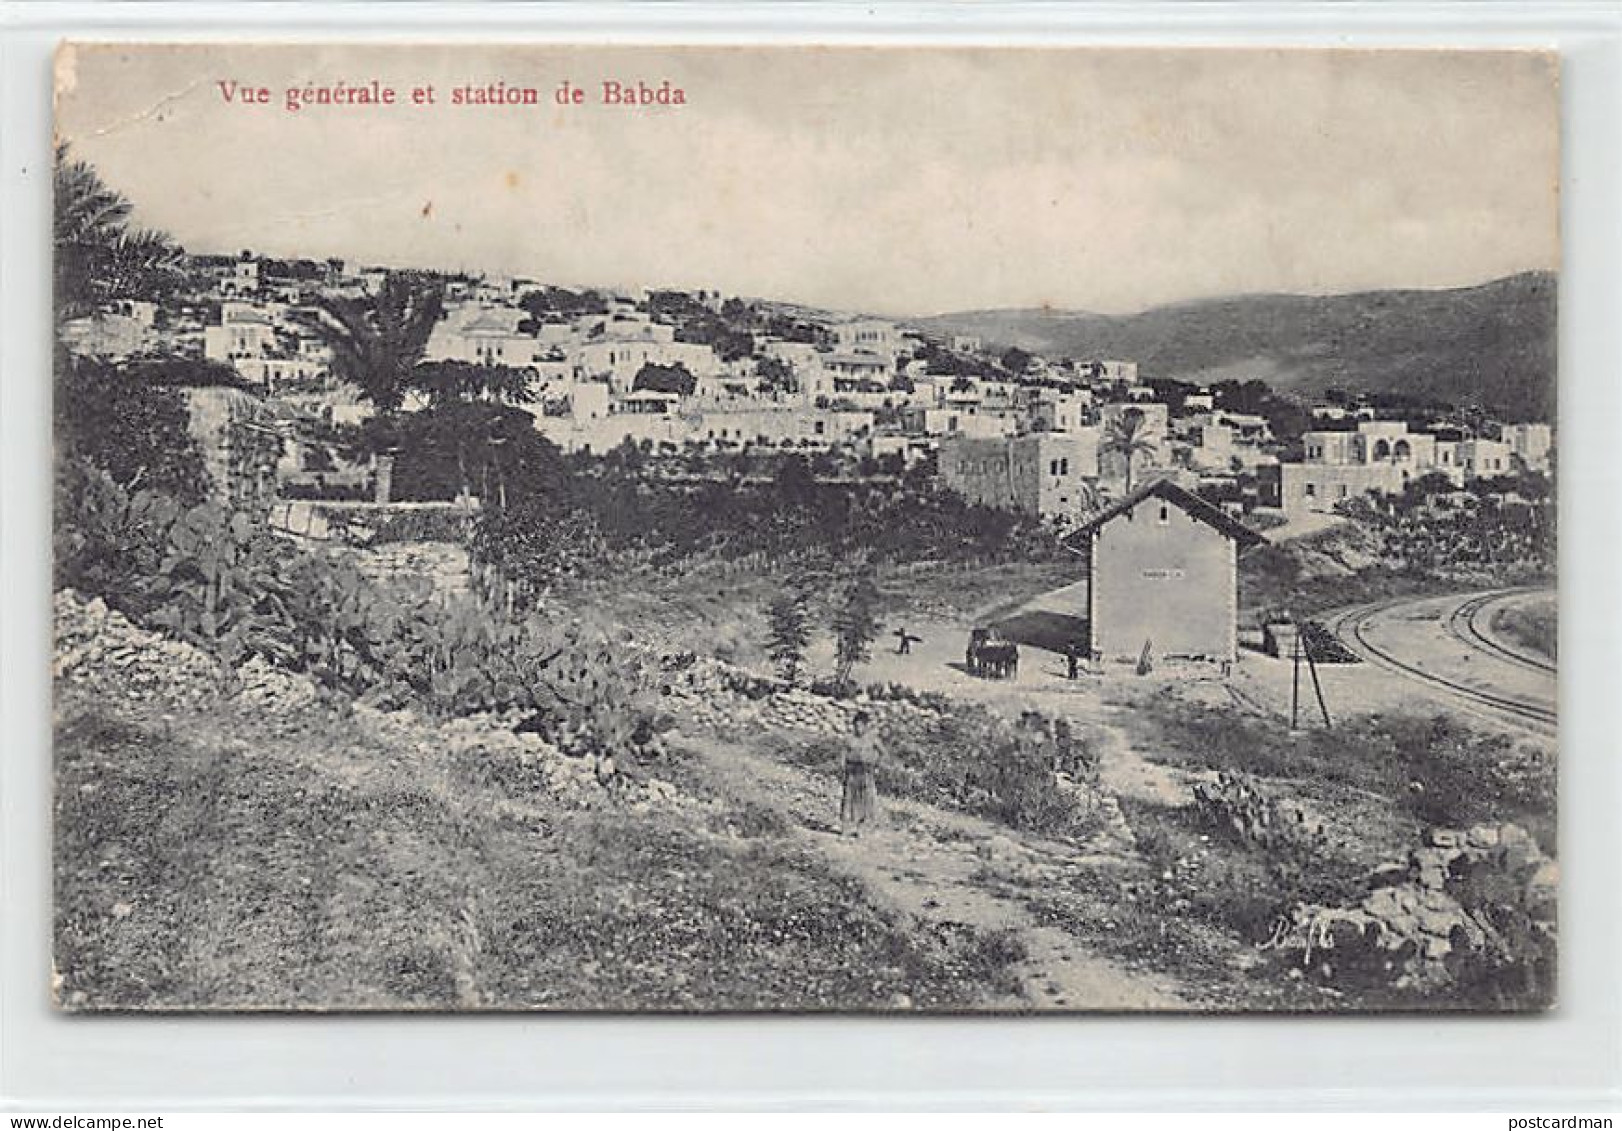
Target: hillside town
(689, 373)
(678, 650)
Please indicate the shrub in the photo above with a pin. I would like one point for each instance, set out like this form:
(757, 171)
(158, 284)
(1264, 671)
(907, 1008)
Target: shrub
(207, 575)
(225, 582)
(1234, 879)
(788, 621)
(855, 620)
(424, 524)
(1436, 769)
(222, 585)
(979, 762)
(106, 541)
(138, 434)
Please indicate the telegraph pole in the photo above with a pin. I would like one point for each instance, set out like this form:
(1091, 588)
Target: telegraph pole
(1297, 653)
(1312, 667)
(1295, 676)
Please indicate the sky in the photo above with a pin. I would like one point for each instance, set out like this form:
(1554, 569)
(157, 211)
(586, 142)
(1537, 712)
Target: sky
(902, 181)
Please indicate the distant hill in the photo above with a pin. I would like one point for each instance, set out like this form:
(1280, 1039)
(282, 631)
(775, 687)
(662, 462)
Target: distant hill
(1492, 345)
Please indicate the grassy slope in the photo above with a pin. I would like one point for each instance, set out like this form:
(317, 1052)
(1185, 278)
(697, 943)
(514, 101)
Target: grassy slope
(1533, 626)
(215, 863)
(1376, 784)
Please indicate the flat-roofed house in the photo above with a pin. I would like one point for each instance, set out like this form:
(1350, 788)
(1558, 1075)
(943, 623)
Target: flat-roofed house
(1043, 473)
(1163, 569)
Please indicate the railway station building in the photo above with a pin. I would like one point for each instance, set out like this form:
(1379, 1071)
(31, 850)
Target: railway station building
(1163, 569)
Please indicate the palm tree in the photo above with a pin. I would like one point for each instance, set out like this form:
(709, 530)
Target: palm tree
(377, 341)
(99, 256)
(1124, 437)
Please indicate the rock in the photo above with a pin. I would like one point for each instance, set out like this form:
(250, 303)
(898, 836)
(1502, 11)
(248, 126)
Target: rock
(102, 651)
(1438, 922)
(1383, 903)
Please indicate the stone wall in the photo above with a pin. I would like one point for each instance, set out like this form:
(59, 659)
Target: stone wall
(240, 446)
(444, 564)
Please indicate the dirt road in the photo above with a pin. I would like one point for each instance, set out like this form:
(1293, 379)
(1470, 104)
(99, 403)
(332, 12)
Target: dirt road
(949, 868)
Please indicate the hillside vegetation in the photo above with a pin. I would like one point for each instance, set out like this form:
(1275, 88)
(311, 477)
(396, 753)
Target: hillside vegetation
(1492, 345)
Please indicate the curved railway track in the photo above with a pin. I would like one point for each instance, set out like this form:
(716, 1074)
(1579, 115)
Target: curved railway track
(1353, 625)
(1467, 621)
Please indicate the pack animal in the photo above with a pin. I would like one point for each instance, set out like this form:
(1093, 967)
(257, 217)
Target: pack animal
(990, 656)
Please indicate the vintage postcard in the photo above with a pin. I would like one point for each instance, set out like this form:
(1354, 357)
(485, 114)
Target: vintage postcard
(804, 529)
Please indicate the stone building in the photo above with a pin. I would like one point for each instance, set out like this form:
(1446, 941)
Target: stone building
(1163, 570)
(1044, 473)
(1530, 444)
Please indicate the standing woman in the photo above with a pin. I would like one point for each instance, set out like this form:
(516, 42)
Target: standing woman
(860, 804)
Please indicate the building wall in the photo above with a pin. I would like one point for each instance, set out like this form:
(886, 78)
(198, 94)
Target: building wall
(487, 348)
(984, 472)
(1308, 487)
(1330, 447)
(1160, 575)
(955, 422)
(234, 340)
(1056, 412)
(869, 335)
(619, 361)
(1211, 447)
(1485, 458)
(1046, 474)
(1530, 443)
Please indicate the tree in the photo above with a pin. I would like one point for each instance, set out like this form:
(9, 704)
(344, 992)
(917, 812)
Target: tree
(775, 374)
(1124, 437)
(655, 378)
(470, 447)
(795, 483)
(377, 341)
(447, 381)
(788, 621)
(855, 618)
(99, 257)
(1016, 360)
(558, 304)
(138, 433)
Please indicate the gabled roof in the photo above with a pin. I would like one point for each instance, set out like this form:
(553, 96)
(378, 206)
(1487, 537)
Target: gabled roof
(1196, 507)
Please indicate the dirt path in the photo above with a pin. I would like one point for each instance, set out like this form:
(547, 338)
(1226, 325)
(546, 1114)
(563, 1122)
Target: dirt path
(952, 868)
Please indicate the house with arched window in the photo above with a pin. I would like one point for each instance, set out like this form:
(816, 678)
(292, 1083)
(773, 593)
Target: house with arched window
(1340, 464)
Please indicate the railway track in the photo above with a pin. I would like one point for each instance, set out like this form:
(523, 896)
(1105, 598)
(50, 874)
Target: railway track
(1353, 627)
(1467, 621)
